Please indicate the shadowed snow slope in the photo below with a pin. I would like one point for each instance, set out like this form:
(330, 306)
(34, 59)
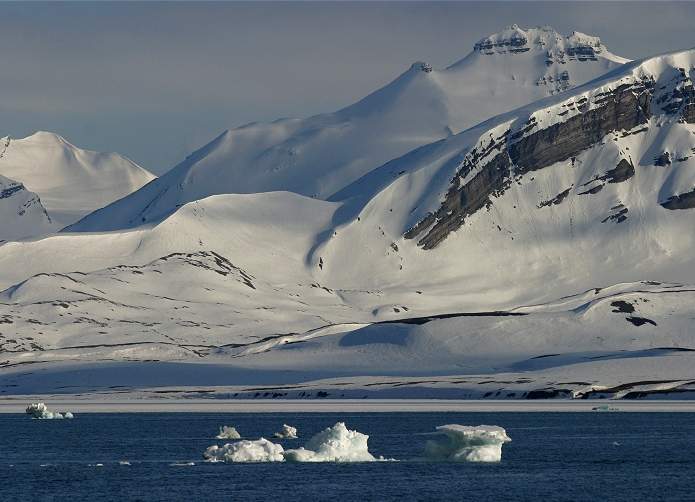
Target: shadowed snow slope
(70, 181)
(21, 212)
(320, 155)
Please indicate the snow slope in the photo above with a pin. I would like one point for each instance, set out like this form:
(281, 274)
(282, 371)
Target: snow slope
(546, 252)
(71, 182)
(320, 155)
(21, 212)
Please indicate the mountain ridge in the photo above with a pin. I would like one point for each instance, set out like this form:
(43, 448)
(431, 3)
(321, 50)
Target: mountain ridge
(321, 155)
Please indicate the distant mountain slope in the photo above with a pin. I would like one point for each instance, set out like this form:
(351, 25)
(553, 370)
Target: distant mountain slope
(548, 248)
(320, 155)
(70, 181)
(21, 212)
(595, 186)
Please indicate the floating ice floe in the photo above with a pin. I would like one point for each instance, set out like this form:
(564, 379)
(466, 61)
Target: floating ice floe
(227, 432)
(259, 450)
(334, 444)
(463, 443)
(41, 411)
(287, 432)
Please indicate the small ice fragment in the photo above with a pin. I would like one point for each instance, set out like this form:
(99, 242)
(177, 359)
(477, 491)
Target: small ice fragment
(227, 432)
(123, 462)
(182, 464)
(287, 432)
(334, 444)
(462, 443)
(259, 450)
(41, 411)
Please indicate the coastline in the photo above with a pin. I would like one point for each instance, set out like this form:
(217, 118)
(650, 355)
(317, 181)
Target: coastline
(17, 404)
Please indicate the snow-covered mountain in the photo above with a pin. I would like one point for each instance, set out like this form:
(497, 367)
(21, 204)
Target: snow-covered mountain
(544, 252)
(321, 155)
(69, 181)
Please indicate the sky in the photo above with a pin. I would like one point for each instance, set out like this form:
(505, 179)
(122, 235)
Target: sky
(155, 81)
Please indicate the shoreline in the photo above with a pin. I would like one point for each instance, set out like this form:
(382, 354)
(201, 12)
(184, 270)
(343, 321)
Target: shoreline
(18, 404)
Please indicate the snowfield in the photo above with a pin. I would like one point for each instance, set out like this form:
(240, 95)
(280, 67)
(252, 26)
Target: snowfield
(545, 252)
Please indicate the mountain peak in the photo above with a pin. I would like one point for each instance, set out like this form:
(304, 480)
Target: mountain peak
(45, 137)
(559, 48)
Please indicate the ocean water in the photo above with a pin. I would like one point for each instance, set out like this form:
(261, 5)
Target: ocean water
(552, 456)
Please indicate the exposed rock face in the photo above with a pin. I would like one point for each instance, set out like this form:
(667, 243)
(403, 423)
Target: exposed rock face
(678, 96)
(559, 49)
(663, 160)
(557, 199)
(622, 172)
(682, 201)
(623, 108)
(619, 216)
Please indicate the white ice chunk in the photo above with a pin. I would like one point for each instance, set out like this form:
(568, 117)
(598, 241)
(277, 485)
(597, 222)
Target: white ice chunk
(334, 444)
(260, 450)
(287, 432)
(41, 411)
(227, 432)
(463, 443)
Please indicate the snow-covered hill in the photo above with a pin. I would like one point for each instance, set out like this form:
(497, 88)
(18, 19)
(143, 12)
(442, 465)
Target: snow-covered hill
(320, 155)
(544, 252)
(70, 182)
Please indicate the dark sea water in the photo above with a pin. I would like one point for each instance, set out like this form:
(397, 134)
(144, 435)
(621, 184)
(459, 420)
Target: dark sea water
(552, 456)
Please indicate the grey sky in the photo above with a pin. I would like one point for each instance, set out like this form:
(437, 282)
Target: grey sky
(154, 81)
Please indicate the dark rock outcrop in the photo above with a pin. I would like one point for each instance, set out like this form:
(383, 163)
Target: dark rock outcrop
(640, 321)
(624, 108)
(621, 306)
(619, 216)
(682, 201)
(663, 160)
(622, 172)
(556, 200)
(10, 190)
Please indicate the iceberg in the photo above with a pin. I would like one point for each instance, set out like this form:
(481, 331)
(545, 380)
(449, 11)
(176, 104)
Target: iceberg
(41, 411)
(227, 432)
(334, 444)
(463, 443)
(259, 450)
(287, 432)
